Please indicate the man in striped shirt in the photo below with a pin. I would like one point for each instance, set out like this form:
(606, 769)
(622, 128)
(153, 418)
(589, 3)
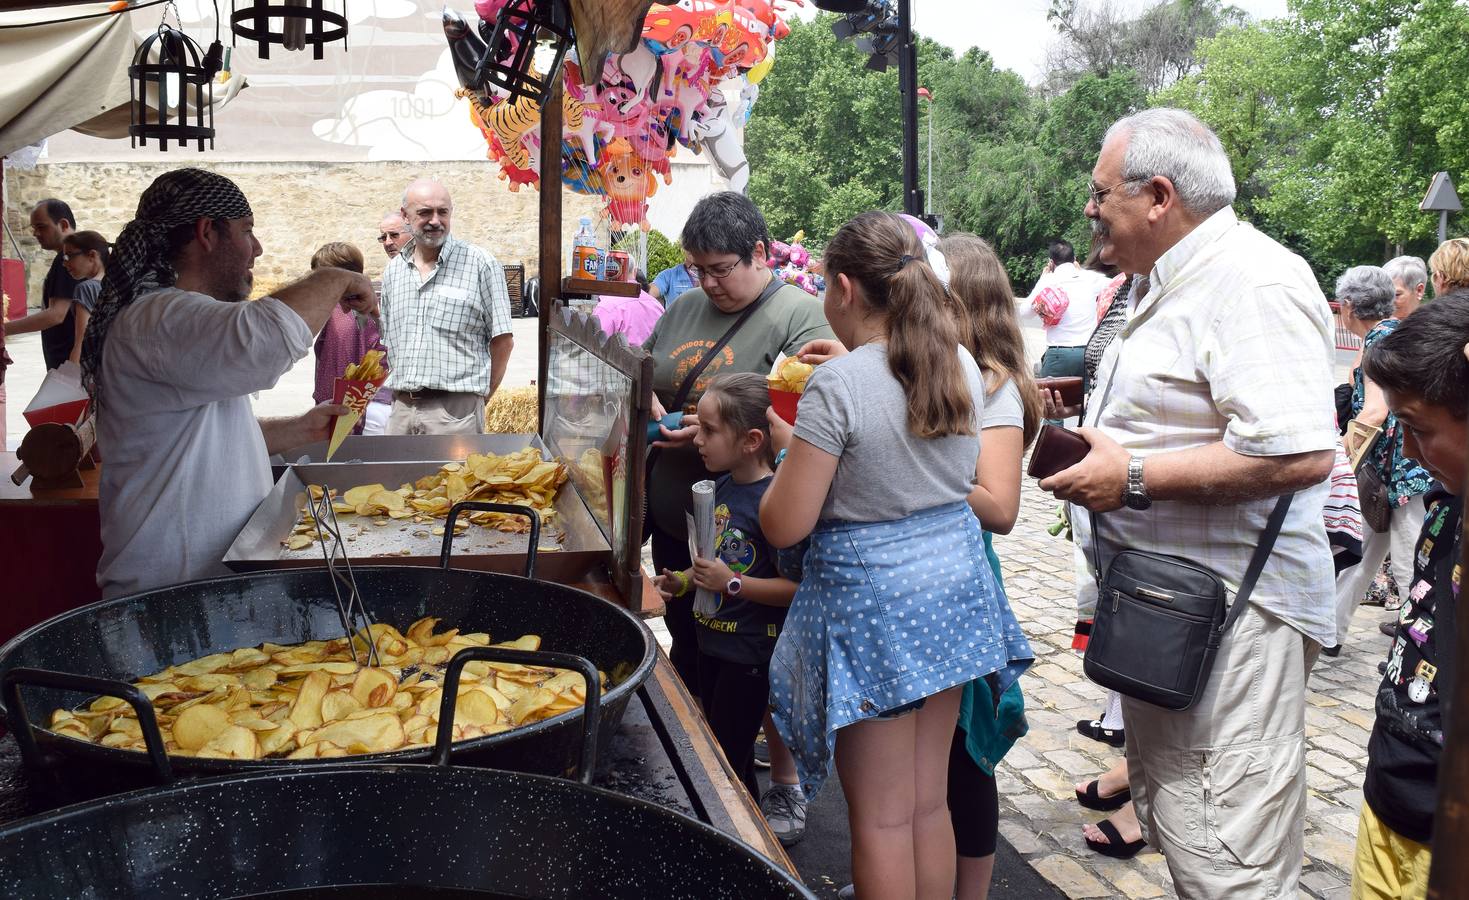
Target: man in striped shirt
(445, 322)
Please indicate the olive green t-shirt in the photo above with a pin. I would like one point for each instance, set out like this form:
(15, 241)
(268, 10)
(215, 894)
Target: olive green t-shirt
(788, 319)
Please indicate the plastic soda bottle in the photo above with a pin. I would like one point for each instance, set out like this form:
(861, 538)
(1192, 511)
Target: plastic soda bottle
(585, 260)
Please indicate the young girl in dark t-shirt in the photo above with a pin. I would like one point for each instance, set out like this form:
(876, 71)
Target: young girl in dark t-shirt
(736, 640)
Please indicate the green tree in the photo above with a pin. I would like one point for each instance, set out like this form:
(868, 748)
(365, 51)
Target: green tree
(1335, 118)
(825, 140)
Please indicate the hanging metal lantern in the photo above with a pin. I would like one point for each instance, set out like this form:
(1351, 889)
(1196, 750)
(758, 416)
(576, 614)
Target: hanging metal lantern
(168, 66)
(301, 22)
(509, 63)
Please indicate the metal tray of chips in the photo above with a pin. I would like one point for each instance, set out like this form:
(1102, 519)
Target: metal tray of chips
(571, 544)
(430, 448)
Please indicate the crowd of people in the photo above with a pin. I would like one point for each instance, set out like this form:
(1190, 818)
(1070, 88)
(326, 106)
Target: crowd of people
(855, 609)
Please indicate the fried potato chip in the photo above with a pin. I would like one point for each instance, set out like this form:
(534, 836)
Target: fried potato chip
(530, 704)
(306, 708)
(378, 732)
(375, 687)
(338, 705)
(791, 375)
(198, 725)
(359, 495)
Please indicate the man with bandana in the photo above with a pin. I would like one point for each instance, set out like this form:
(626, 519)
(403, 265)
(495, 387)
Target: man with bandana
(171, 357)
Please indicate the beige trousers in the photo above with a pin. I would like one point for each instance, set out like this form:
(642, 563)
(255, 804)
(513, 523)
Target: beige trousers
(446, 414)
(1220, 788)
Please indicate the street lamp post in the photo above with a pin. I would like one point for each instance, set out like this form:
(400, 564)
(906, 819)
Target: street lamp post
(926, 94)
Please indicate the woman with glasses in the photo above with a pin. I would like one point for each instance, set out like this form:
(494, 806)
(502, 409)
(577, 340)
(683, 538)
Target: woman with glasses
(735, 302)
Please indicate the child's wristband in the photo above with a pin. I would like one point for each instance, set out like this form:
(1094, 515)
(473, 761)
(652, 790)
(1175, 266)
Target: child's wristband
(683, 584)
(779, 458)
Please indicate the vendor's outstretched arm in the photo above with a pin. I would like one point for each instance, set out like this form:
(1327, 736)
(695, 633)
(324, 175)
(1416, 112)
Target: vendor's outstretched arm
(313, 297)
(285, 432)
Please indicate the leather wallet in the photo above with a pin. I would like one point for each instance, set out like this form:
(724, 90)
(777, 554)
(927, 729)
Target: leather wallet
(1069, 387)
(1056, 449)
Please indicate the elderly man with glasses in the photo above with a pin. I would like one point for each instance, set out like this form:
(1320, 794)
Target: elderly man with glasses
(1213, 402)
(393, 233)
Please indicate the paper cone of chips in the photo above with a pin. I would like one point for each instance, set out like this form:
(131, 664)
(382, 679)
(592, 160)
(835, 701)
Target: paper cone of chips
(787, 381)
(355, 389)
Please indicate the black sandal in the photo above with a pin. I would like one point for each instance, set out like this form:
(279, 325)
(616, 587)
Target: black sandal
(1091, 799)
(1093, 729)
(1114, 847)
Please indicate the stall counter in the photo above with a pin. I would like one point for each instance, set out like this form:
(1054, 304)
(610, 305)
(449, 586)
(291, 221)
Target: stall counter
(51, 542)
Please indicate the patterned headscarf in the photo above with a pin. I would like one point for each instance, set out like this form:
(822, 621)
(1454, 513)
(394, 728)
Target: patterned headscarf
(140, 257)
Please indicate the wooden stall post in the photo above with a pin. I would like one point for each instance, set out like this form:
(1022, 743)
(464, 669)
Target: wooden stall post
(1450, 871)
(549, 264)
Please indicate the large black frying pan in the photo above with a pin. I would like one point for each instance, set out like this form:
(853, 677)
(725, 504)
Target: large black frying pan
(116, 641)
(388, 831)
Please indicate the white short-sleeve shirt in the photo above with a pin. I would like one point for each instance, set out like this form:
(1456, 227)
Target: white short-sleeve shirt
(185, 463)
(1229, 339)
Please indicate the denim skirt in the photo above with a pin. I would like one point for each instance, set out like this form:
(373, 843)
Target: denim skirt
(887, 613)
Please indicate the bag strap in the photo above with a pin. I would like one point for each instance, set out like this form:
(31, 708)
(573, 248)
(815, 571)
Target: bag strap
(1257, 559)
(687, 385)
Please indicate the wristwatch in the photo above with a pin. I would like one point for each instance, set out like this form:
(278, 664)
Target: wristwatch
(1135, 496)
(733, 586)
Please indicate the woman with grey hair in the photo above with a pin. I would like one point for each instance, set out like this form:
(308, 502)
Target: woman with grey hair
(1409, 281)
(1367, 296)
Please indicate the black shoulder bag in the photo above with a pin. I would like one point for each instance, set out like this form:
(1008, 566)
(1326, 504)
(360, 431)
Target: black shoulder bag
(1160, 619)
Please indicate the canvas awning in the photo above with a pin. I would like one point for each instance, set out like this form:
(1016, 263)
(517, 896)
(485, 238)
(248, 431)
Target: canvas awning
(60, 74)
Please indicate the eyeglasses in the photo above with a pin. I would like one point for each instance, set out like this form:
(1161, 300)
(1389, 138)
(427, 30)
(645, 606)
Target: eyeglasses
(390, 236)
(1099, 195)
(718, 273)
(69, 256)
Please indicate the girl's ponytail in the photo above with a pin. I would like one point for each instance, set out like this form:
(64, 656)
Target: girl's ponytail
(882, 253)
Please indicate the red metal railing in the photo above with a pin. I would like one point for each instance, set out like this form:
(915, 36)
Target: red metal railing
(1345, 340)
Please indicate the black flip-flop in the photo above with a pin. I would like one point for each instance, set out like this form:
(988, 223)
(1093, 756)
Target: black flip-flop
(1093, 729)
(1114, 847)
(1091, 799)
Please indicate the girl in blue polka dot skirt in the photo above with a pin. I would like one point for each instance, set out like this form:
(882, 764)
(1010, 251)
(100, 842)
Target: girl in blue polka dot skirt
(898, 607)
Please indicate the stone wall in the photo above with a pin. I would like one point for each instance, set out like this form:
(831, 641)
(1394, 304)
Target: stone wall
(298, 207)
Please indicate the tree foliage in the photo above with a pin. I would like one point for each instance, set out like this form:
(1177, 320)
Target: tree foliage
(1335, 117)
(1158, 46)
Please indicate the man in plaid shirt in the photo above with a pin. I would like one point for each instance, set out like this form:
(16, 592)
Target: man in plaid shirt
(1218, 400)
(445, 322)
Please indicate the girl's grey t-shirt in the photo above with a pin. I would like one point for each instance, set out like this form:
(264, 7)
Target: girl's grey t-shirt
(1003, 407)
(854, 408)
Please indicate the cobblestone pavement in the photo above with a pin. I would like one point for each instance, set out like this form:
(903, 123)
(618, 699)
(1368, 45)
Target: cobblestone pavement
(1039, 815)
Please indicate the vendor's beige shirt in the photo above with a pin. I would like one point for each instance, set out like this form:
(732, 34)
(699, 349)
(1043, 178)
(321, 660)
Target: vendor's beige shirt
(184, 460)
(1229, 340)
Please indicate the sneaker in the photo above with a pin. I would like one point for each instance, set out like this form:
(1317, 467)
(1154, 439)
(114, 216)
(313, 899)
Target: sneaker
(1389, 628)
(784, 809)
(762, 752)
(847, 893)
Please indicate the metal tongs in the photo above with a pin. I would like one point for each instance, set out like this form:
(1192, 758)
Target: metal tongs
(355, 618)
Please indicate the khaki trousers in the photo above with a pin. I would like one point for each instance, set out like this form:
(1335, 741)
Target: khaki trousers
(1220, 788)
(441, 414)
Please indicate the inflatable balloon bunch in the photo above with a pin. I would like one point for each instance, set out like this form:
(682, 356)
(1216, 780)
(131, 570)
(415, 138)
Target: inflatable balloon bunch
(791, 263)
(620, 132)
